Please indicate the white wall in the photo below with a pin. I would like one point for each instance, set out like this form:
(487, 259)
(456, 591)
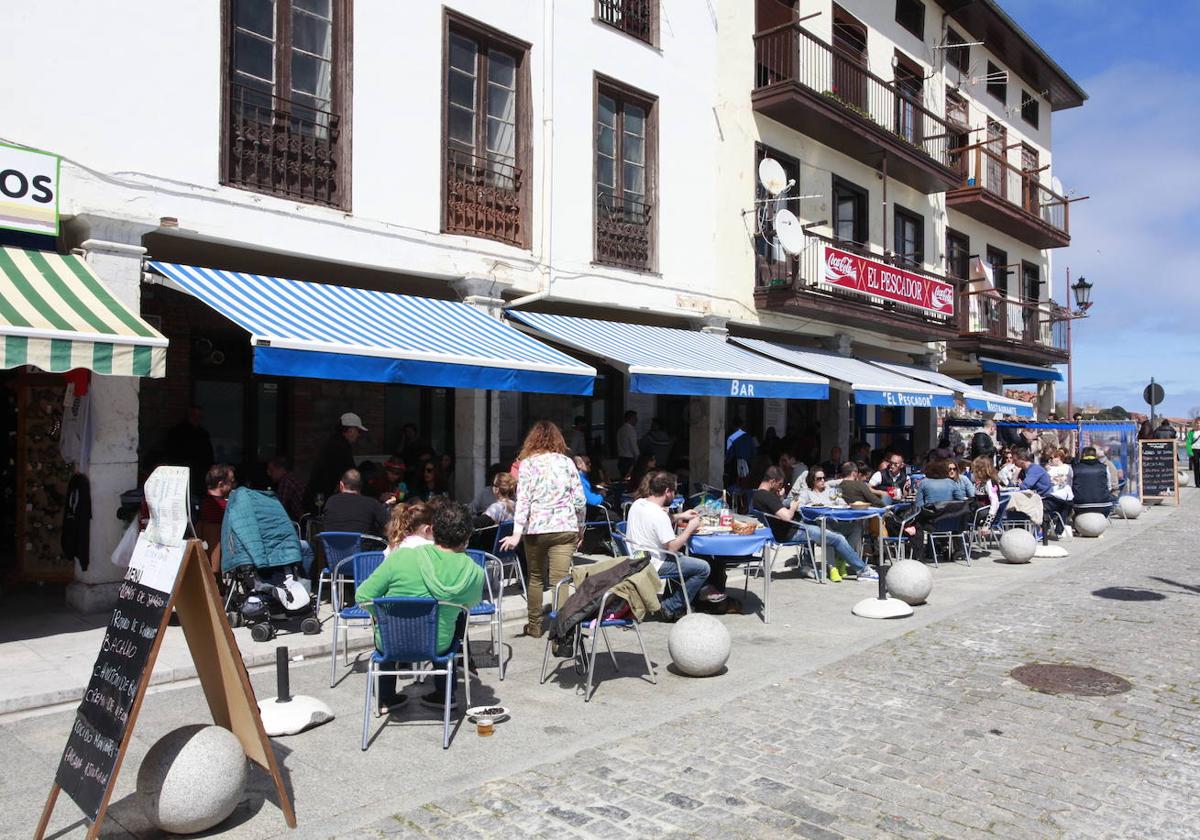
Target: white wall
(137, 115)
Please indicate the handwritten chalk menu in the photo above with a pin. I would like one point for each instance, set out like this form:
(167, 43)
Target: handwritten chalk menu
(1160, 478)
(90, 758)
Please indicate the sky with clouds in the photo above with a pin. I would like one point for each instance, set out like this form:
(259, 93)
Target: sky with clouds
(1133, 148)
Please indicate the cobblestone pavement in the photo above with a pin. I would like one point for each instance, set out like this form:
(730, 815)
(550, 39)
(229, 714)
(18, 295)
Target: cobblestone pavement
(923, 736)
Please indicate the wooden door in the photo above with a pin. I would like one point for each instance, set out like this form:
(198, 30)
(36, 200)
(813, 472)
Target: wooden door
(1029, 180)
(849, 59)
(997, 137)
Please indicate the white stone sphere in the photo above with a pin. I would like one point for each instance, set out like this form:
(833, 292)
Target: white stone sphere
(192, 778)
(1017, 546)
(1130, 507)
(1090, 524)
(1185, 478)
(910, 580)
(699, 645)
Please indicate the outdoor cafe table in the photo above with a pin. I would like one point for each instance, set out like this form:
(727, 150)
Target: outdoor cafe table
(729, 545)
(737, 548)
(824, 514)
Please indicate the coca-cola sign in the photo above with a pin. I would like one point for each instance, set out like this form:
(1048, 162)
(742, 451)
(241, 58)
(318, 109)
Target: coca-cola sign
(870, 277)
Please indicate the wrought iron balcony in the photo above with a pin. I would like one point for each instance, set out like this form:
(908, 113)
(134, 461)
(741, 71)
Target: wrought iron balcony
(484, 197)
(623, 227)
(1028, 329)
(633, 17)
(806, 286)
(1001, 195)
(814, 88)
(280, 147)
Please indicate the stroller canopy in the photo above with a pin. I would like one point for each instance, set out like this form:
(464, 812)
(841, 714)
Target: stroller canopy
(257, 532)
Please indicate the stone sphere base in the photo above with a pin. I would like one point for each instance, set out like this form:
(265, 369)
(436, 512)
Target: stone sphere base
(1129, 507)
(1090, 524)
(192, 778)
(1017, 546)
(699, 645)
(910, 580)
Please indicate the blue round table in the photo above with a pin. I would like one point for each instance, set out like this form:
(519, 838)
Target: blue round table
(823, 515)
(729, 545)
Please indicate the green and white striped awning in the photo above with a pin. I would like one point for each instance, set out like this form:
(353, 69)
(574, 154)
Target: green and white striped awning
(57, 315)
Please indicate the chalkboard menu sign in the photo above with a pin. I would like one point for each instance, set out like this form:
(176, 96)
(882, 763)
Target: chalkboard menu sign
(91, 755)
(166, 573)
(1160, 478)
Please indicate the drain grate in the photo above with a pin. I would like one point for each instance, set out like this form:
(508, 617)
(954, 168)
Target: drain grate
(1070, 679)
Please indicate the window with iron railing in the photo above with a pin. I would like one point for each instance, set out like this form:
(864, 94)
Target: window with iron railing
(625, 157)
(485, 189)
(637, 18)
(283, 131)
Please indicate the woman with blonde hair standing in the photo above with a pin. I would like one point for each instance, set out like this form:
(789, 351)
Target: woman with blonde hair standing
(549, 514)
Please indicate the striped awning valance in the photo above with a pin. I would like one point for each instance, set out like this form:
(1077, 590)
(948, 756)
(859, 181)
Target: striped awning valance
(57, 315)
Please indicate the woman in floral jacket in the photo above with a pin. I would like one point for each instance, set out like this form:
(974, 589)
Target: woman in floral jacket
(549, 514)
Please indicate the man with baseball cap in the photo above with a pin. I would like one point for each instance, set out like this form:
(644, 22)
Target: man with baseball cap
(336, 456)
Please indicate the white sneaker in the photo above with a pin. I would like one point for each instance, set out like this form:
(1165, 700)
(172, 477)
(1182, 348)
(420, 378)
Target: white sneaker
(868, 574)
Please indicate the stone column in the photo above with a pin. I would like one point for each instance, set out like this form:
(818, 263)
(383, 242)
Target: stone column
(475, 409)
(1045, 400)
(925, 420)
(706, 427)
(114, 251)
(834, 413)
(706, 439)
(993, 382)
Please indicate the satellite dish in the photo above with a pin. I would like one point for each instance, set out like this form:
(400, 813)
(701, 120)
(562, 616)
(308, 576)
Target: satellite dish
(772, 176)
(789, 232)
(1056, 185)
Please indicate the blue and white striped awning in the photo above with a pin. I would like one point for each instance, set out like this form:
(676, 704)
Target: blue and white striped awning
(334, 332)
(871, 385)
(1019, 373)
(665, 360)
(975, 399)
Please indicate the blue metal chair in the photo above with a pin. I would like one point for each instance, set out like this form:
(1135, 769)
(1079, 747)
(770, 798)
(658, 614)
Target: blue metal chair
(407, 632)
(627, 549)
(509, 560)
(336, 546)
(492, 605)
(360, 566)
(598, 626)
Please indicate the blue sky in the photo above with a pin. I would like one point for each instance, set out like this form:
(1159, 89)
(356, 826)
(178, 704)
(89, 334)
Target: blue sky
(1133, 148)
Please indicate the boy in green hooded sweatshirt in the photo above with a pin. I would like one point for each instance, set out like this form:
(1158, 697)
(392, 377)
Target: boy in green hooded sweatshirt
(440, 571)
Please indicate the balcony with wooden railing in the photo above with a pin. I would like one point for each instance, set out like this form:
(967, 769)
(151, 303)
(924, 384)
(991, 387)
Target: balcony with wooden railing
(1026, 331)
(484, 197)
(798, 286)
(816, 89)
(1008, 198)
(283, 148)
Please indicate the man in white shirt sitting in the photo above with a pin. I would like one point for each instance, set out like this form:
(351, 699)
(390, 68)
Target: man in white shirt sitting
(649, 527)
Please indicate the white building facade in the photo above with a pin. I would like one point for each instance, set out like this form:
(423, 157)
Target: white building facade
(585, 159)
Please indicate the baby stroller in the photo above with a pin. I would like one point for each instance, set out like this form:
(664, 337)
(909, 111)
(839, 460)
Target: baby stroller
(260, 558)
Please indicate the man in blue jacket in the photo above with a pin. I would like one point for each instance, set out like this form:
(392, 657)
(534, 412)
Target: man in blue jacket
(1038, 480)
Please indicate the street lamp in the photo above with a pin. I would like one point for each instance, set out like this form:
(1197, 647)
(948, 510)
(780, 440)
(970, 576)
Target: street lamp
(1083, 293)
(1082, 290)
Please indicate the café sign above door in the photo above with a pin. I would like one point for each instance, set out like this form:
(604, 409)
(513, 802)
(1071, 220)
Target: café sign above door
(870, 277)
(28, 190)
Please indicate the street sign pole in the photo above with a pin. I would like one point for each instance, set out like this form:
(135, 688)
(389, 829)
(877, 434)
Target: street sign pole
(1153, 395)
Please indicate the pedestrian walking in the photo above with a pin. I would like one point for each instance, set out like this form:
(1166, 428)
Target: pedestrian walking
(549, 514)
(1192, 442)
